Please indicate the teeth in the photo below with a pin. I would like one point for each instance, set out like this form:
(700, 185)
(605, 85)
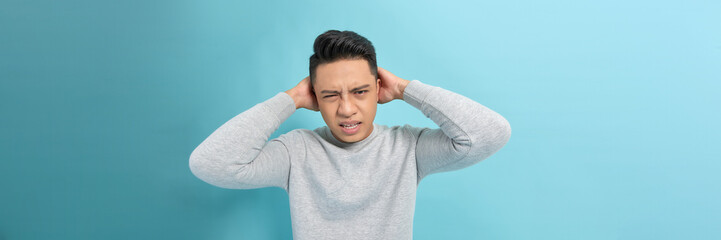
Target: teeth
(350, 126)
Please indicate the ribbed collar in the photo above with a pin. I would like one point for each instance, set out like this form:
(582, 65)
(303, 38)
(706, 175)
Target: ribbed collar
(350, 146)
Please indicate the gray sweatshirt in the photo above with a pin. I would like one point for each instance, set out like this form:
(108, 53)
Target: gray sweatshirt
(361, 190)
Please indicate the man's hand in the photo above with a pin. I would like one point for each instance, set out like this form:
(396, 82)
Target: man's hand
(303, 95)
(392, 87)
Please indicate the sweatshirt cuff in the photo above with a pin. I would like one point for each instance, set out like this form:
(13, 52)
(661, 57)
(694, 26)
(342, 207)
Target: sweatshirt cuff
(281, 105)
(416, 92)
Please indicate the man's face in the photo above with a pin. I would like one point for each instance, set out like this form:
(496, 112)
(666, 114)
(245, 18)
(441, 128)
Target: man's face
(347, 96)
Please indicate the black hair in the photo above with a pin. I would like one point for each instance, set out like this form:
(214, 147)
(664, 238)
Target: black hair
(335, 45)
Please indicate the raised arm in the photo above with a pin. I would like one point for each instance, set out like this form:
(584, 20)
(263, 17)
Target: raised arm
(469, 132)
(239, 155)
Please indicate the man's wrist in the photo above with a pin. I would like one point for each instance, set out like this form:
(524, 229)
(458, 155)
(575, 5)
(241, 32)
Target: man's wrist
(292, 95)
(402, 88)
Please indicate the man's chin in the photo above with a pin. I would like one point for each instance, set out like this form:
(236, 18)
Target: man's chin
(345, 138)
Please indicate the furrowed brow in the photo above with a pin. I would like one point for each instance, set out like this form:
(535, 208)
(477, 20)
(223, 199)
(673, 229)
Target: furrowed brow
(361, 87)
(352, 90)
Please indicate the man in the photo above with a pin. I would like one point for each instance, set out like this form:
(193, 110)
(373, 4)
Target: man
(351, 179)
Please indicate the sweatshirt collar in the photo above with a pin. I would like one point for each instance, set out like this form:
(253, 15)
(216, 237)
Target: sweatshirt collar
(355, 145)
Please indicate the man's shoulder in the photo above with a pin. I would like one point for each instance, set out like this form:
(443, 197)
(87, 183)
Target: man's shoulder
(406, 130)
(299, 132)
(410, 130)
(406, 127)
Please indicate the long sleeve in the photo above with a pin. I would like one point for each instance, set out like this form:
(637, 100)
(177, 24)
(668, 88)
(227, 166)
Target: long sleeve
(469, 132)
(239, 155)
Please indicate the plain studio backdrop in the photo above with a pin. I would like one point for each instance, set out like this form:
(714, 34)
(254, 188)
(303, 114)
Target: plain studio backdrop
(614, 105)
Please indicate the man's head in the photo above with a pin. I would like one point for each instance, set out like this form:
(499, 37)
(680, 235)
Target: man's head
(344, 76)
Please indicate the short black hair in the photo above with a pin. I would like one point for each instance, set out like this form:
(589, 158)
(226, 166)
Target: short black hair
(335, 45)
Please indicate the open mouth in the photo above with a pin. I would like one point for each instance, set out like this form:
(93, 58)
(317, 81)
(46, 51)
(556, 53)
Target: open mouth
(350, 127)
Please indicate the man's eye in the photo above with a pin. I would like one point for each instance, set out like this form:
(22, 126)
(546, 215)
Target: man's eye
(361, 92)
(328, 96)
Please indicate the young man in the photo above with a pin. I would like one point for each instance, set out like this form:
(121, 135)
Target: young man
(351, 179)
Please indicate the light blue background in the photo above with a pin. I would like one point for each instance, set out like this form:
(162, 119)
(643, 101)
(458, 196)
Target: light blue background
(614, 105)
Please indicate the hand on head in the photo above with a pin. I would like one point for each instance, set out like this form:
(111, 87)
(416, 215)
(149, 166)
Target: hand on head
(391, 87)
(303, 95)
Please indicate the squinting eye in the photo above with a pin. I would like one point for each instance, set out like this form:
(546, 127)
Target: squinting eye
(361, 92)
(328, 96)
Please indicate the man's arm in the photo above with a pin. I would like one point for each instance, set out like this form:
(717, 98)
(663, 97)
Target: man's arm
(238, 154)
(469, 132)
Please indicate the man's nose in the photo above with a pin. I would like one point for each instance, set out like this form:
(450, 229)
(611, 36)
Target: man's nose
(347, 107)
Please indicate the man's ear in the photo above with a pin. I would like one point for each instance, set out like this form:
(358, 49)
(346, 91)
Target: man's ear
(378, 86)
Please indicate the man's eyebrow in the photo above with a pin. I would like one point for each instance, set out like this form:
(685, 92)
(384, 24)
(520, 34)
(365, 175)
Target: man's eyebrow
(352, 90)
(361, 87)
